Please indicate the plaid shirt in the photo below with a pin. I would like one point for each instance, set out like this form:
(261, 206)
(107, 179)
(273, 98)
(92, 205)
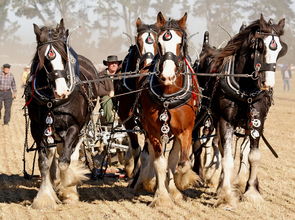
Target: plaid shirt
(7, 82)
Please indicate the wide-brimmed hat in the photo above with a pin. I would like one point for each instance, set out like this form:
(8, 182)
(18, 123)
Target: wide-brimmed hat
(111, 59)
(27, 67)
(6, 65)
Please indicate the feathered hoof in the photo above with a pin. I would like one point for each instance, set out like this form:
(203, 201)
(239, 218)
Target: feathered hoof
(176, 194)
(150, 185)
(162, 201)
(45, 201)
(185, 178)
(253, 196)
(69, 195)
(227, 200)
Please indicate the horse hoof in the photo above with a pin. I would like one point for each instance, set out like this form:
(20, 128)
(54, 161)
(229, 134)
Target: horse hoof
(63, 166)
(162, 201)
(253, 196)
(44, 201)
(227, 200)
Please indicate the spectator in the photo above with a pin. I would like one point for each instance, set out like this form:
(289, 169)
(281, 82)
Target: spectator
(286, 75)
(25, 75)
(7, 91)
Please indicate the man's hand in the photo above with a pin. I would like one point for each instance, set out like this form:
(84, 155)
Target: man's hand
(112, 93)
(14, 96)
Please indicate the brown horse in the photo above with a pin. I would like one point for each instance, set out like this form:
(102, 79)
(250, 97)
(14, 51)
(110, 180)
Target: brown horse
(169, 109)
(140, 55)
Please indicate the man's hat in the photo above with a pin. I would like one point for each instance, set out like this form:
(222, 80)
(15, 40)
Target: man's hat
(27, 67)
(110, 59)
(6, 65)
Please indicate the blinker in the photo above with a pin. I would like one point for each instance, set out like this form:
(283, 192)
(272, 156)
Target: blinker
(149, 39)
(273, 45)
(167, 36)
(51, 54)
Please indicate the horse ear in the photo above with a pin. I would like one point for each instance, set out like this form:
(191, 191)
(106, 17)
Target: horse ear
(262, 22)
(281, 23)
(37, 30)
(182, 21)
(160, 20)
(138, 22)
(61, 25)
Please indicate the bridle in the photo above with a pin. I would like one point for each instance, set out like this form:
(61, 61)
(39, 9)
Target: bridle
(148, 40)
(259, 64)
(178, 60)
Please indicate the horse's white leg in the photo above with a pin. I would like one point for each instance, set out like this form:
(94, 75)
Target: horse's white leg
(71, 174)
(243, 172)
(225, 191)
(161, 197)
(172, 164)
(46, 197)
(146, 176)
(252, 194)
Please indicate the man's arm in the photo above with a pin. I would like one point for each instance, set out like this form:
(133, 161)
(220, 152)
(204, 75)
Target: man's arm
(13, 86)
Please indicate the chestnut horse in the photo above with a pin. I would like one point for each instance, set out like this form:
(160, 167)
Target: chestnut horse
(140, 55)
(168, 110)
(243, 102)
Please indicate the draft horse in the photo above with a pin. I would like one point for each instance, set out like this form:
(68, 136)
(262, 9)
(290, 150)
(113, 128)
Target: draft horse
(58, 109)
(140, 55)
(168, 111)
(243, 101)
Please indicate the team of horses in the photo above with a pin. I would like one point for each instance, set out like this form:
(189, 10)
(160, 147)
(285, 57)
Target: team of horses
(168, 102)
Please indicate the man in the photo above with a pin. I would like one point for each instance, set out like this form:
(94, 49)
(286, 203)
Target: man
(106, 87)
(25, 75)
(7, 83)
(286, 75)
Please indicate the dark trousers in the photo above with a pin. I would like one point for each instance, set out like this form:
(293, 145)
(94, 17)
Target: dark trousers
(6, 98)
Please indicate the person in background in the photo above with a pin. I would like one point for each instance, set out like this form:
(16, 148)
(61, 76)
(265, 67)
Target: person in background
(7, 91)
(286, 76)
(25, 75)
(106, 87)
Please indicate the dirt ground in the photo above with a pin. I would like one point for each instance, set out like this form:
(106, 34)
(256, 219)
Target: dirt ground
(113, 200)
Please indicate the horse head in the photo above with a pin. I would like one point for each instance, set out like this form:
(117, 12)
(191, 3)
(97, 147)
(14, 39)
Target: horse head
(52, 54)
(146, 41)
(172, 47)
(256, 49)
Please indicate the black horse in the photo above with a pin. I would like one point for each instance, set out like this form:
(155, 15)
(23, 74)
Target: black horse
(140, 55)
(244, 101)
(58, 107)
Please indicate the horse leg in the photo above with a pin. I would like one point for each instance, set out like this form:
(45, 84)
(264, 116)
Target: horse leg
(173, 159)
(131, 162)
(161, 197)
(225, 191)
(252, 188)
(184, 175)
(243, 172)
(71, 173)
(46, 196)
(145, 176)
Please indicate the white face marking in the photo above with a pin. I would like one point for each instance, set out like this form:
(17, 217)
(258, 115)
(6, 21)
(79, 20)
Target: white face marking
(61, 86)
(271, 57)
(169, 46)
(147, 47)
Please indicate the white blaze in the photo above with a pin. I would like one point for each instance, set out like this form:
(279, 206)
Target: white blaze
(57, 64)
(271, 57)
(147, 47)
(169, 46)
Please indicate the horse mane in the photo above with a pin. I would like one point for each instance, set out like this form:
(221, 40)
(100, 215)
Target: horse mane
(236, 43)
(145, 27)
